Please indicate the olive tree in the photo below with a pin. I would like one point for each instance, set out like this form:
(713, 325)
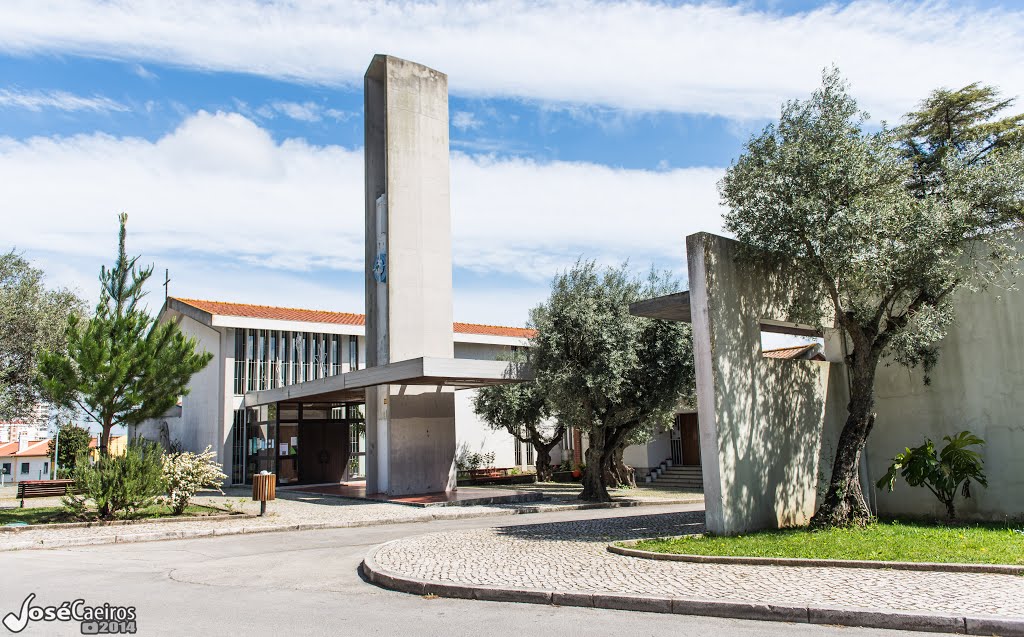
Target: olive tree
(521, 410)
(605, 371)
(889, 223)
(33, 318)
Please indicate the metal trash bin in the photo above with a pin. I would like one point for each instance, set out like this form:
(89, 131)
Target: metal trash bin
(264, 488)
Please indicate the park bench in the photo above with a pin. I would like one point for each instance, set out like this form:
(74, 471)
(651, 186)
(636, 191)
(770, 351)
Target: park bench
(494, 476)
(42, 489)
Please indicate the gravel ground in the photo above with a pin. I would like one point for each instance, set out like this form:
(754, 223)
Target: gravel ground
(294, 508)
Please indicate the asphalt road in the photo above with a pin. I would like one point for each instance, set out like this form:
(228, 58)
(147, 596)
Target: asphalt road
(307, 583)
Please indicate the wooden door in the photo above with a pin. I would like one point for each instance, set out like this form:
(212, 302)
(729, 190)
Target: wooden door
(690, 434)
(323, 452)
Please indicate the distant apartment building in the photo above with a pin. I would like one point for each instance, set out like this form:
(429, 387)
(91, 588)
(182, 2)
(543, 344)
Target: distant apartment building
(34, 427)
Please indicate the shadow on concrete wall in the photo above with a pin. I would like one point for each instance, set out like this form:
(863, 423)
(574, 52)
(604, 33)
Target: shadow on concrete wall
(766, 415)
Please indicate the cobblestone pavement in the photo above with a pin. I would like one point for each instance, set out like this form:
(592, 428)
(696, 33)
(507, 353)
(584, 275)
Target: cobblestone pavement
(572, 557)
(294, 508)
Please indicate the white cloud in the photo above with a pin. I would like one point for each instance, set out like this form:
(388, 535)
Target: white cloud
(464, 120)
(143, 72)
(309, 112)
(60, 100)
(735, 61)
(220, 190)
(339, 115)
(304, 112)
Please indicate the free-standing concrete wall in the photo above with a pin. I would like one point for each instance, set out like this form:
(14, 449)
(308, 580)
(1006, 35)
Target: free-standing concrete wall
(761, 419)
(769, 427)
(410, 430)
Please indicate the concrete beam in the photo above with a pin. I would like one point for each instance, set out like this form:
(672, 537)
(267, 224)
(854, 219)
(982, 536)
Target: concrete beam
(672, 307)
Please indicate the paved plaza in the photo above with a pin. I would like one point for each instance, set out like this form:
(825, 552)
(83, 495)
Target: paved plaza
(572, 557)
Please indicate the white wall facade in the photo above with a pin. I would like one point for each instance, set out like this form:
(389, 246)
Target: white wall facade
(38, 468)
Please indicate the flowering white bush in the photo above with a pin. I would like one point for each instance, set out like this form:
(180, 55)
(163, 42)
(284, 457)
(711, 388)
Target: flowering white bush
(185, 473)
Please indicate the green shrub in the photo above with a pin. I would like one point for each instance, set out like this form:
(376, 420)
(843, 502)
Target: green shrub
(118, 485)
(943, 473)
(466, 460)
(185, 473)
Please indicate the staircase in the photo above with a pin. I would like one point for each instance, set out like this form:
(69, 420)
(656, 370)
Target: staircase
(678, 477)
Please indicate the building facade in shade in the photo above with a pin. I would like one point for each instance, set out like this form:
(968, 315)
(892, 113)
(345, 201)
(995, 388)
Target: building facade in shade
(260, 347)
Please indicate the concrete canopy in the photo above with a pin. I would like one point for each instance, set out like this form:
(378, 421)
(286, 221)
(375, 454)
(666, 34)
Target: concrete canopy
(671, 307)
(456, 373)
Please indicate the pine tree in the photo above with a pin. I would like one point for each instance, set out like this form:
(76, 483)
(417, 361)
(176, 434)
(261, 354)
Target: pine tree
(121, 366)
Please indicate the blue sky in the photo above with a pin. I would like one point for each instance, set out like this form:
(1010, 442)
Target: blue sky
(231, 132)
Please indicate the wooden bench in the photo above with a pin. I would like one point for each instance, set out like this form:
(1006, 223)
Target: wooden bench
(484, 474)
(494, 476)
(42, 489)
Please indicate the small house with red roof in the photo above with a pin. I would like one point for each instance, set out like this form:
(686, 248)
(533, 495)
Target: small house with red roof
(25, 460)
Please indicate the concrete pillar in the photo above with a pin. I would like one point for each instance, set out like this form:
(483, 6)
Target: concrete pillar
(410, 431)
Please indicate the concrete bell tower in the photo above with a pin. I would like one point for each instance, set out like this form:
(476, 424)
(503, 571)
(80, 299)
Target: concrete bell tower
(410, 430)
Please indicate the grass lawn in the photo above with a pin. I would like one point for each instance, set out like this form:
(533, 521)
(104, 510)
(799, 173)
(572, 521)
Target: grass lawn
(897, 541)
(53, 515)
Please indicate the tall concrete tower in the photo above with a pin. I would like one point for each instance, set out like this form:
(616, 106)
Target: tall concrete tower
(410, 430)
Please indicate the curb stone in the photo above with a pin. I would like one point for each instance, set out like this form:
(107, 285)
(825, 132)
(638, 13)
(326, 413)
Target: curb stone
(863, 617)
(439, 513)
(628, 551)
(106, 523)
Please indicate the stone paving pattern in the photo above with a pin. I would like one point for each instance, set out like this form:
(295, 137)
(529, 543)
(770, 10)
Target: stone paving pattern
(572, 557)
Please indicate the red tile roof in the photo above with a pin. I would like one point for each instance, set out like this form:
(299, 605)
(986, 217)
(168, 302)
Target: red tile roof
(793, 352)
(35, 448)
(337, 318)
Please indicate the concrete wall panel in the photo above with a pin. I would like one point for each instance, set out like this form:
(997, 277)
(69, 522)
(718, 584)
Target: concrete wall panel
(978, 385)
(760, 419)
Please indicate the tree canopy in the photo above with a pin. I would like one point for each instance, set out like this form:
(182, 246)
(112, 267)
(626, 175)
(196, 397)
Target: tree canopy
(889, 223)
(33, 319)
(73, 441)
(122, 366)
(603, 370)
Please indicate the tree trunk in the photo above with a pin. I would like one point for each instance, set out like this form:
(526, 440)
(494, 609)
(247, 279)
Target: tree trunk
(619, 473)
(104, 451)
(543, 460)
(595, 487)
(950, 510)
(844, 503)
(104, 441)
(542, 451)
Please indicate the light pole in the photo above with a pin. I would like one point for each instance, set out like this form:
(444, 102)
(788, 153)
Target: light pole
(56, 450)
